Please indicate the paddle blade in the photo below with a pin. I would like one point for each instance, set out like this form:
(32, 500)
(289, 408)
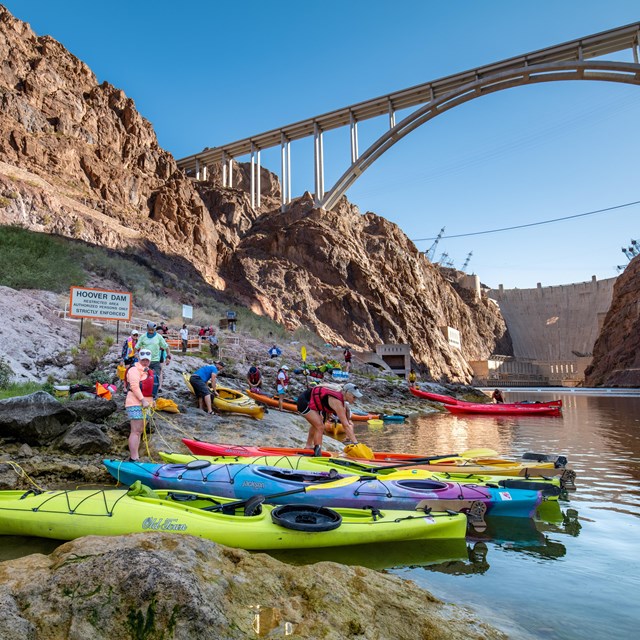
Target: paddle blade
(359, 451)
(478, 453)
(303, 353)
(342, 482)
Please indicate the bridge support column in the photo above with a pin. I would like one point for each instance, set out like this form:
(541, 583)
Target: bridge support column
(253, 176)
(258, 177)
(223, 165)
(205, 171)
(392, 115)
(285, 163)
(353, 127)
(197, 169)
(318, 156)
(230, 172)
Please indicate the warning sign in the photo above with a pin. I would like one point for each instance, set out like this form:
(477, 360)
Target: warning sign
(101, 304)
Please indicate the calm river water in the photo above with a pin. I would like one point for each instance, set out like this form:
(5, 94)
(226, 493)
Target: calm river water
(573, 573)
(576, 572)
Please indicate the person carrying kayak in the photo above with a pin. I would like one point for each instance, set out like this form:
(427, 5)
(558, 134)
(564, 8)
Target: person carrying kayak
(139, 379)
(204, 382)
(317, 403)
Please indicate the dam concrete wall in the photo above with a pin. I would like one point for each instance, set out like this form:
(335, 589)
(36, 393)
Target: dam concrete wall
(554, 324)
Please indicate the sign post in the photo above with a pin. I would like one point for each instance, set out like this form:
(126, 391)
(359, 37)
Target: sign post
(99, 304)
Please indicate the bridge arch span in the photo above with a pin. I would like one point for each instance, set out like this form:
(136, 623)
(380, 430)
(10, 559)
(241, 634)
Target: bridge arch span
(607, 71)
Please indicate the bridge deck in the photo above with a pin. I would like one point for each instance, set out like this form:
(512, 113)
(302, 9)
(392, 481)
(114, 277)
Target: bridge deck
(592, 46)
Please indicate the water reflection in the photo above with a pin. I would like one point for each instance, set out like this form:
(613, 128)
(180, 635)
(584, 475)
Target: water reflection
(416, 553)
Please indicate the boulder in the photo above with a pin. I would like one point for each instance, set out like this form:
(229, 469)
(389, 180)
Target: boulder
(161, 585)
(93, 409)
(85, 437)
(36, 419)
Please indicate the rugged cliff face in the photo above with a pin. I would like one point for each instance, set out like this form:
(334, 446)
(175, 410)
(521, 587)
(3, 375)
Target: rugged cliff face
(77, 159)
(616, 353)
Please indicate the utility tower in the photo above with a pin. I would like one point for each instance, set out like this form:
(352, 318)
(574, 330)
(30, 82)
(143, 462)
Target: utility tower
(467, 261)
(431, 251)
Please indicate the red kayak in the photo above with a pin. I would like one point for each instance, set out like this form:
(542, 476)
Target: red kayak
(553, 408)
(199, 448)
(436, 397)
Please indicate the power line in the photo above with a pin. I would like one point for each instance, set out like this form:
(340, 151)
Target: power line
(534, 224)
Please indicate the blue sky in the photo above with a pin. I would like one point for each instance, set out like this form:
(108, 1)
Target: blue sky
(206, 73)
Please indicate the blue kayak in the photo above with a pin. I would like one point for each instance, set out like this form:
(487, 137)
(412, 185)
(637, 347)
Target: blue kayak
(243, 481)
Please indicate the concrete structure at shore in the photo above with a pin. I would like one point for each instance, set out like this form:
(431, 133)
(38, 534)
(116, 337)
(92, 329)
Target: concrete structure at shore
(553, 330)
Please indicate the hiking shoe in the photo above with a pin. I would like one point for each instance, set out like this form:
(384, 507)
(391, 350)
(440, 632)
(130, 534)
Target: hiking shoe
(317, 451)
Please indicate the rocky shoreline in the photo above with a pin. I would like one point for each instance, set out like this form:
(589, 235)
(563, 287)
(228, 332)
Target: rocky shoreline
(163, 586)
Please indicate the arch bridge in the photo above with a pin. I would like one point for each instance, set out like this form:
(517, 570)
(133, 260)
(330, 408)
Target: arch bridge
(574, 60)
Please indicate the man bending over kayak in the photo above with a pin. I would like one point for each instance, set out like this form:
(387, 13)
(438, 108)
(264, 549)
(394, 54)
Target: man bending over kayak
(204, 382)
(317, 403)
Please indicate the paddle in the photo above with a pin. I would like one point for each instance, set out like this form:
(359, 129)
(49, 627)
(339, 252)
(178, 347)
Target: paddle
(303, 354)
(230, 507)
(471, 453)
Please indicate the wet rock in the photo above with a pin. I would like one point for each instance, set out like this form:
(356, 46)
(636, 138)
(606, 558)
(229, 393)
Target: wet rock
(85, 437)
(35, 419)
(93, 409)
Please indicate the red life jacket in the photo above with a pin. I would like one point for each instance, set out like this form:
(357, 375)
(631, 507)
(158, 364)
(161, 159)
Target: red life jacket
(146, 385)
(319, 400)
(284, 382)
(254, 378)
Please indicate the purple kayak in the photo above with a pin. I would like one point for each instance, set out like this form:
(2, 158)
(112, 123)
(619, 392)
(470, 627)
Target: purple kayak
(243, 481)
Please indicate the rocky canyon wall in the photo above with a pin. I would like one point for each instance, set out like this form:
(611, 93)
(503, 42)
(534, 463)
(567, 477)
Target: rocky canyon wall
(77, 159)
(616, 354)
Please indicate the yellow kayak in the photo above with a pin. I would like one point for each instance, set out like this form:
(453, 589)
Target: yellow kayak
(246, 524)
(231, 400)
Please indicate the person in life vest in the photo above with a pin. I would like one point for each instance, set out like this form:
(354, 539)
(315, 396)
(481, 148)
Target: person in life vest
(139, 379)
(497, 397)
(254, 378)
(317, 403)
(347, 359)
(412, 378)
(155, 343)
(129, 349)
(282, 385)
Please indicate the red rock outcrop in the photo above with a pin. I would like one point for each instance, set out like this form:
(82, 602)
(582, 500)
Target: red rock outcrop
(616, 353)
(77, 159)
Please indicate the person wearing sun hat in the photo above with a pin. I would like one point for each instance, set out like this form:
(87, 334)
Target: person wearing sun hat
(282, 384)
(155, 343)
(140, 381)
(318, 403)
(128, 356)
